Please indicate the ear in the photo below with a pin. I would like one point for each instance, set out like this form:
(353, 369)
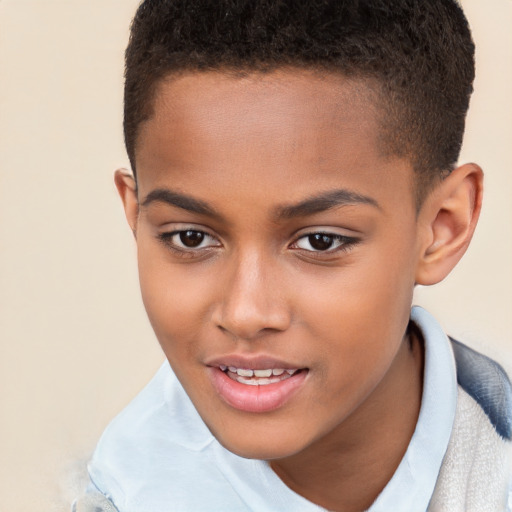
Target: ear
(447, 221)
(127, 188)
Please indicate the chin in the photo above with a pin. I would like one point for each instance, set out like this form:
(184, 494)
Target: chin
(269, 447)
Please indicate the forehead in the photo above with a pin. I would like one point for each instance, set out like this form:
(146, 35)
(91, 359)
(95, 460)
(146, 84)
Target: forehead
(285, 128)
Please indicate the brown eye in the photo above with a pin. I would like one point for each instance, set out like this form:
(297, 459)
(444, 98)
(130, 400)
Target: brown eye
(190, 242)
(191, 238)
(320, 241)
(328, 243)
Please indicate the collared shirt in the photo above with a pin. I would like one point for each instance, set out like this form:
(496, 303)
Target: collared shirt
(159, 456)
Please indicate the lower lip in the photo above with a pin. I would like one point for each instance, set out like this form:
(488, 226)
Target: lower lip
(262, 398)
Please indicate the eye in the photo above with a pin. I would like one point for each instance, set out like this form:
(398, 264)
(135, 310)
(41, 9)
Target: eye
(324, 242)
(189, 239)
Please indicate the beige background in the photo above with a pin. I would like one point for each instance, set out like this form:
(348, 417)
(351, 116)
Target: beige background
(75, 343)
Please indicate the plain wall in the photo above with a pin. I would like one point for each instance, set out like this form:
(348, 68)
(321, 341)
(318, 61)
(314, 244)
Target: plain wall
(75, 343)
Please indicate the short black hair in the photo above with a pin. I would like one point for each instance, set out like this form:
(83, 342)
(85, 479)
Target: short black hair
(419, 55)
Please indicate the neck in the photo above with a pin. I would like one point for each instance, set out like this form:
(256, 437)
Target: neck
(346, 470)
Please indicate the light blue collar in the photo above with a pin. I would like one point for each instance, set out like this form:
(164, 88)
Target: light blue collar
(413, 483)
(158, 455)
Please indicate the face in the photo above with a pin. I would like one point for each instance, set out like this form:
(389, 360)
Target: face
(277, 248)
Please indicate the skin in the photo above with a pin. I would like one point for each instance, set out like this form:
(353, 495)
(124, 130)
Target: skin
(249, 148)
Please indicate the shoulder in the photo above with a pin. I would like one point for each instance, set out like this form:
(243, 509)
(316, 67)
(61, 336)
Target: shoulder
(487, 383)
(475, 473)
(157, 455)
(93, 502)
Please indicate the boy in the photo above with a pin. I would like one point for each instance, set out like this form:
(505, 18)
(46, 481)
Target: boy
(293, 179)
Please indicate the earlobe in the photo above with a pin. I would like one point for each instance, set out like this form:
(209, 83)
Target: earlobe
(448, 220)
(127, 189)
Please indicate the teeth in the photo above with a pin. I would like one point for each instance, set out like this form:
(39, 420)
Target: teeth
(245, 373)
(262, 373)
(258, 382)
(251, 382)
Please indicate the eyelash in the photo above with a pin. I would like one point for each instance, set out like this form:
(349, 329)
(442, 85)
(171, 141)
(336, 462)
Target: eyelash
(167, 239)
(345, 243)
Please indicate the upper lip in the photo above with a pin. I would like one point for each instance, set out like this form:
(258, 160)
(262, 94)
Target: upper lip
(259, 362)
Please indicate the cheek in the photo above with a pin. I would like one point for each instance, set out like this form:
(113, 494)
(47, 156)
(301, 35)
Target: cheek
(361, 311)
(176, 296)
(365, 293)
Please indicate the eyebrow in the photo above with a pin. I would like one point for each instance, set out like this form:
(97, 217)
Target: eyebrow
(316, 204)
(183, 201)
(324, 201)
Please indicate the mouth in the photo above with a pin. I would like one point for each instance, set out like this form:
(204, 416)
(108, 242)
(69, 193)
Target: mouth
(264, 377)
(256, 390)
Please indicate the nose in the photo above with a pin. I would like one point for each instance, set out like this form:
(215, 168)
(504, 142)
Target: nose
(252, 299)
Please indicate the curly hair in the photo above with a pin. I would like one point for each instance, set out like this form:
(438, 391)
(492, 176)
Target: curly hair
(418, 55)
